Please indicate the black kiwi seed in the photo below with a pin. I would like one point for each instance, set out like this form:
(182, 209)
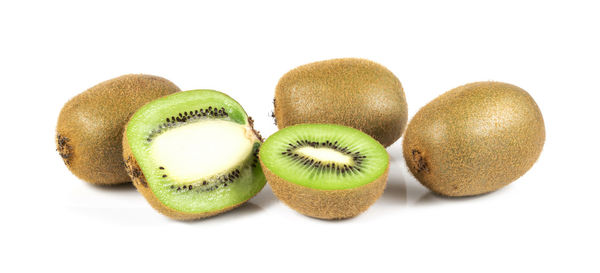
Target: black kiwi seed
(187, 116)
(205, 186)
(357, 158)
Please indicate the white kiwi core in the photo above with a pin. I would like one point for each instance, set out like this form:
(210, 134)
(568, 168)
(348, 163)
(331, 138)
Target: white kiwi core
(325, 155)
(203, 149)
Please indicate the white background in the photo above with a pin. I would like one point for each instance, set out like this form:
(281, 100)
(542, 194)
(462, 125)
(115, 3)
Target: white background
(545, 221)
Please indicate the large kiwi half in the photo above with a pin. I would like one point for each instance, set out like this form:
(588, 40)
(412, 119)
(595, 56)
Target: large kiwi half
(324, 170)
(90, 125)
(474, 139)
(193, 154)
(353, 92)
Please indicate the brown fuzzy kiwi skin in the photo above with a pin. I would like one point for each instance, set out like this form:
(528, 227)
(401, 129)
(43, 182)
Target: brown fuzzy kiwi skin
(474, 139)
(139, 181)
(353, 92)
(90, 125)
(326, 204)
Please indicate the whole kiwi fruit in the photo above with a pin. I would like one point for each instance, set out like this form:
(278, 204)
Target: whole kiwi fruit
(353, 92)
(474, 139)
(90, 125)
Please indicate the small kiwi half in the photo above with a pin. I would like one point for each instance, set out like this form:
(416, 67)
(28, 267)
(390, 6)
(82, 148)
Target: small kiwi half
(474, 139)
(193, 154)
(90, 125)
(324, 170)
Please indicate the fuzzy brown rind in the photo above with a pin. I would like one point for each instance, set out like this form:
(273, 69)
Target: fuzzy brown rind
(474, 139)
(139, 181)
(353, 92)
(250, 122)
(90, 125)
(326, 204)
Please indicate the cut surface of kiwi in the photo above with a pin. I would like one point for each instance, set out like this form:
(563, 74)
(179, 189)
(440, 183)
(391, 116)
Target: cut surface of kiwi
(325, 170)
(193, 154)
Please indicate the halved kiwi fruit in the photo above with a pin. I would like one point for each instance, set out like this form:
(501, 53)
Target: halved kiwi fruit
(193, 154)
(324, 170)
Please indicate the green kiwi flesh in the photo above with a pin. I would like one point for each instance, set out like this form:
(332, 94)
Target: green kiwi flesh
(193, 154)
(353, 92)
(325, 170)
(474, 139)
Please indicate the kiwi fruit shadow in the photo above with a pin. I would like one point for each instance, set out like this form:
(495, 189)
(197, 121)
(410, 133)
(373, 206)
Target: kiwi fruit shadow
(396, 190)
(402, 188)
(265, 198)
(432, 198)
(125, 187)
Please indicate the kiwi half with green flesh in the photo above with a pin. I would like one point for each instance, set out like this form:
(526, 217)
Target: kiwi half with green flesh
(353, 92)
(474, 139)
(193, 154)
(325, 171)
(90, 126)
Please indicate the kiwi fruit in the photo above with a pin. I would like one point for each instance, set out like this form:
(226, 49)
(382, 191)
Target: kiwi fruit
(325, 171)
(193, 154)
(353, 92)
(90, 125)
(474, 139)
